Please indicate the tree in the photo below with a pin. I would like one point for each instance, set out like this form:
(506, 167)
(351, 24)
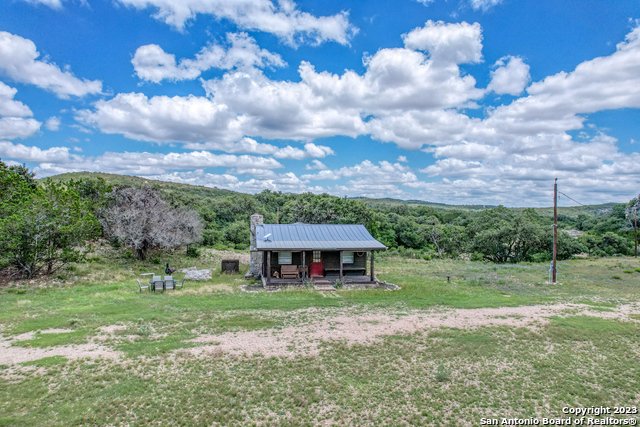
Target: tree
(501, 236)
(446, 238)
(139, 218)
(631, 213)
(42, 228)
(612, 243)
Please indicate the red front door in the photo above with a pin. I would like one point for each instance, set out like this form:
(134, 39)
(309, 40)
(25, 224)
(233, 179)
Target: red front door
(316, 269)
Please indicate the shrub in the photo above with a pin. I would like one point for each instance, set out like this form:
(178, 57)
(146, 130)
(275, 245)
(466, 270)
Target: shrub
(443, 374)
(42, 228)
(193, 252)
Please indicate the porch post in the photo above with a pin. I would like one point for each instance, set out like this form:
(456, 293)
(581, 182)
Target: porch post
(268, 267)
(340, 265)
(304, 265)
(372, 276)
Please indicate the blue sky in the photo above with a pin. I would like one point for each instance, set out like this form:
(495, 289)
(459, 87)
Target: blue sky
(453, 101)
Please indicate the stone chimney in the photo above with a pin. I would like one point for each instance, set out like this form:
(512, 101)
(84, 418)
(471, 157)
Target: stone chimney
(255, 263)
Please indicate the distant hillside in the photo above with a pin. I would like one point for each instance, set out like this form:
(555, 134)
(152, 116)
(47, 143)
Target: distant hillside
(197, 191)
(574, 211)
(393, 202)
(135, 181)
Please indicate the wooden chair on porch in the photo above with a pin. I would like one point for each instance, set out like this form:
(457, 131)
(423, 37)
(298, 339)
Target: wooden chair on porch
(289, 271)
(303, 271)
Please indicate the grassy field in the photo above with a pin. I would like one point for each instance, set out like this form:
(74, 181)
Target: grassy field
(494, 341)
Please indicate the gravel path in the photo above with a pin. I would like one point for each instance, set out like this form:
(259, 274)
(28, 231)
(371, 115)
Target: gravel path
(321, 326)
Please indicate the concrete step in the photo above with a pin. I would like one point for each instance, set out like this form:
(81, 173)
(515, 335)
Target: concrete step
(323, 287)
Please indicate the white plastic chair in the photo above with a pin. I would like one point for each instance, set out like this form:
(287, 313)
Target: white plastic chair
(168, 283)
(158, 284)
(142, 287)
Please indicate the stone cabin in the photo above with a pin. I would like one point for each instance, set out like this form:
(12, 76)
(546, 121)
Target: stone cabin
(322, 253)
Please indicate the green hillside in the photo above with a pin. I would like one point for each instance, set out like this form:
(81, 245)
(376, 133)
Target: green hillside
(430, 229)
(135, 181)
(173, 188)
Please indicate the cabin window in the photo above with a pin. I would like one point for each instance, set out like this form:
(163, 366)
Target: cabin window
(347, 257)
(284, 257)
(316, 256)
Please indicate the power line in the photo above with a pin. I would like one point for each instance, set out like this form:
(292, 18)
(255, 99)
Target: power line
(571, 198)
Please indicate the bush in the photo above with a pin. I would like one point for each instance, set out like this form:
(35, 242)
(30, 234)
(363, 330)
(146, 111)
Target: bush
(193, 252)
(477, 256)
(42, 228)
(443, 374)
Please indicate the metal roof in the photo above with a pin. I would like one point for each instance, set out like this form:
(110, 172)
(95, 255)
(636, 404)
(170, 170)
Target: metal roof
(315, 237)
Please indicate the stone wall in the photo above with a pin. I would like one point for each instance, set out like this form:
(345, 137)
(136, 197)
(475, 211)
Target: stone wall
(255, 263)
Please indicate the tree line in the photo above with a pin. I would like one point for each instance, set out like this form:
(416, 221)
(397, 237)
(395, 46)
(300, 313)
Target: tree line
(45, 225)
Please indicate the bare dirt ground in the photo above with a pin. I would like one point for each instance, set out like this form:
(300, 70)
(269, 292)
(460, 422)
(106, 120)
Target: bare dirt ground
(12, 355)
(305, 330)
(310, 328)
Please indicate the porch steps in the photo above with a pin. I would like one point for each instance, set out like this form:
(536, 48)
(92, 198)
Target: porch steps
(323, 285)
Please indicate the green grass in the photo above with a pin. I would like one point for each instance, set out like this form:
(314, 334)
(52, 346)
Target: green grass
(46, 362)
(50, 340)
(446, 376)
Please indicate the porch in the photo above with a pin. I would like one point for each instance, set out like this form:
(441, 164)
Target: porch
(318, 281)
(290, 268)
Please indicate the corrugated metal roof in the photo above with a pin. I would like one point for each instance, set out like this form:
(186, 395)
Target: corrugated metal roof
(315, 236)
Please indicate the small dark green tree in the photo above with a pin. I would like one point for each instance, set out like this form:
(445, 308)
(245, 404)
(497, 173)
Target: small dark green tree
(502, 236)
(42, 227)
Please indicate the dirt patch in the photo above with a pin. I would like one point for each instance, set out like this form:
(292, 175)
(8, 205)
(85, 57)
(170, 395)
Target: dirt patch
(11, 355)
(32, 334)
(309, 328)
(112, 329)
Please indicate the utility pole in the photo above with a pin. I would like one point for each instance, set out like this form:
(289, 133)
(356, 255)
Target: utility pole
(635, 229)
(277, 215)
(632, 207)
(555, 231)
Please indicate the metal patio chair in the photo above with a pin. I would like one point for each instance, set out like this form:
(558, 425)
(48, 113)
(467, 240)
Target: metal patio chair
(158, 283)
(142, 287)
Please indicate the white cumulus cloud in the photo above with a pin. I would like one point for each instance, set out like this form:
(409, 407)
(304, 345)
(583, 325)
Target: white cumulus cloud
(53, 4)
(316, 165)
(10, 107)
(153, 64)
(53, 124)
(282, 19)
(484, 5)
(457, 43)
(510, 77)
(59, 160)
(19, 61)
